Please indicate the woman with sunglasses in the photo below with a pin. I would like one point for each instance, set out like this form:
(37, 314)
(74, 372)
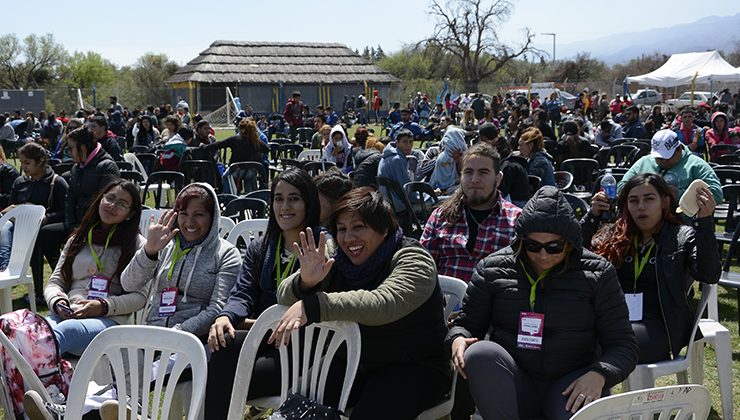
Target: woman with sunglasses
(84, 292)
(657, 259)
(559, 330)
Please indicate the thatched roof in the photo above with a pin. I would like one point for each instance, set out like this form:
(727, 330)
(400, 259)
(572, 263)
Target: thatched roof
(272, 62)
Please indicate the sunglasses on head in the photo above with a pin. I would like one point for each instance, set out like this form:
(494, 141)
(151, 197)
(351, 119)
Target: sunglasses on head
(554, 247)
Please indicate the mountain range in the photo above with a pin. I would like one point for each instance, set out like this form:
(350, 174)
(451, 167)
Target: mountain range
(709, 33)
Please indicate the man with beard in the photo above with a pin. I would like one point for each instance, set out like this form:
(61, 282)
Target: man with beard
(475, 221)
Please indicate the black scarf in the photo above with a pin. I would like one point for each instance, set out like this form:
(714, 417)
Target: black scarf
(365, 275)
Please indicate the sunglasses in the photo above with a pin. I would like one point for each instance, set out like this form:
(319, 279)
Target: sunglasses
(554, 247)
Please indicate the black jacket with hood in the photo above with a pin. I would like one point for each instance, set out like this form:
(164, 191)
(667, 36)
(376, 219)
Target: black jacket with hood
(49, 191)
(684, 253)
(586, 322)
(85, 183)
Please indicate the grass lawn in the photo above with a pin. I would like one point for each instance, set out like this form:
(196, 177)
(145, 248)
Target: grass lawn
(728, 307)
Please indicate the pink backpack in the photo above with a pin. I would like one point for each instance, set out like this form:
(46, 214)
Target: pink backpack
(33, 337)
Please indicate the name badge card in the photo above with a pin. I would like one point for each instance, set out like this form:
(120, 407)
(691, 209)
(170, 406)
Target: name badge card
(168, 302)
(634, 305)
(531, 327)
(99, 287)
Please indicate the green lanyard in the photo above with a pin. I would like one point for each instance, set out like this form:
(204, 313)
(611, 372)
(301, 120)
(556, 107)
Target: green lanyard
(533, 290)
(288, 269)
(98, 263)
(177, 254)
(641, 265)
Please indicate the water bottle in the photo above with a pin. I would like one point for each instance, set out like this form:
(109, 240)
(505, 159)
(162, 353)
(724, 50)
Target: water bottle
(609, 186)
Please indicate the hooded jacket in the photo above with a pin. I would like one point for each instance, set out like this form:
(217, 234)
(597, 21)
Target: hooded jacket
(49, 191)
(586, 322)
(444, 176)
(341, 158)
(203, 278)
(713, 135)
(393, 165)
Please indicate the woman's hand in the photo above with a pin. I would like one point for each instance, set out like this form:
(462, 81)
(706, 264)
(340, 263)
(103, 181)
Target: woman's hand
(584, 390)
(294, 318)
(599, 204)
(706, 203)
(64, 314)
(459, 345)
(314, 265)
(217, 334)
(89, 309)
(160, 233)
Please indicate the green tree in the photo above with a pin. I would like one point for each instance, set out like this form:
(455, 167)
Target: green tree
(146, 79)
(31, 63)
(84, 69)
(379, 54)
(467, 30)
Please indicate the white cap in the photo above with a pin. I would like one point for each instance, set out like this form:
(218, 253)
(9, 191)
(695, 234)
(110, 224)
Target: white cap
(664, 144)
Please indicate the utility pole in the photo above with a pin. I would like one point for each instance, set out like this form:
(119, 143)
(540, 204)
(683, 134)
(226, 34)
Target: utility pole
(552, 34)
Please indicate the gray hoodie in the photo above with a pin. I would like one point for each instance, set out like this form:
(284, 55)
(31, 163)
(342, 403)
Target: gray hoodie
(203, 278)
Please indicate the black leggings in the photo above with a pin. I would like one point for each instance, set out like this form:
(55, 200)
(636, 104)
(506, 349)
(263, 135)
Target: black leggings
(502, 390)
(652, 340)
(48, 244)
(391, 392)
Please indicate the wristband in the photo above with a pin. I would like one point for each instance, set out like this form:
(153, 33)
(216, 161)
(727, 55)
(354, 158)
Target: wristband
(105, 306)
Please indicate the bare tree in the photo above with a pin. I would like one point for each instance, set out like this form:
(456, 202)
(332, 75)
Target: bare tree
(467, 29)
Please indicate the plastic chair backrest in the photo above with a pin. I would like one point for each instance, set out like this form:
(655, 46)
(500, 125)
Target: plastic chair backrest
(124, 166)
(564, 180)
(134, 176)
(253, 207)
(418, 193)
(312, 155)
(731, 195)
(579, 206)
(583, 170)
(290, 151)
(679, 402)
(63, 167)
(148, 162)
(234, 171)
(621, 154)
(263, 195)
(225, 225)
(200, 171)
(534, 184)
(315, 167)
(129, 346)
(727, 176)
(145, 220)
(390, 189)
(27, 223)
(247, 230)
(32, 382)
(175, 180)
(310, 370)
(454, 291)
(138, 166)
(224, 199)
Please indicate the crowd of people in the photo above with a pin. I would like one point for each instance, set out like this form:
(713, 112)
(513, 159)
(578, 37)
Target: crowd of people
(558, 309)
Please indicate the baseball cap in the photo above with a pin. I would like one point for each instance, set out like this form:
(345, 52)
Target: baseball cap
(664, 144)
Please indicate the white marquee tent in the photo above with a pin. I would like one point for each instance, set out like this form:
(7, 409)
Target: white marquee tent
(680, 69)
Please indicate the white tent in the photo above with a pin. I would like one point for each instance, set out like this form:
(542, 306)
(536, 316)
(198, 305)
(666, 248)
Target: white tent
(680, 69)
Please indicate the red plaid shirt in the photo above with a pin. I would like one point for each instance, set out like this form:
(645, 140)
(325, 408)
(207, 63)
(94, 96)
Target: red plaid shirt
(446, 241)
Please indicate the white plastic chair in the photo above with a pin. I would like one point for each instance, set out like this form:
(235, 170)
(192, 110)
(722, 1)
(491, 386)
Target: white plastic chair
(225, 225)
(146, 215)
(454, 291)
(679, 402)
(32, 382)
(248, 230)
(127, 342)
(309, 374)
(309, 155)
(28, 219)
(643, 377)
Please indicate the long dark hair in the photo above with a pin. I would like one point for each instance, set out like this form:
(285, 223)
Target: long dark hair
(615, 241)
(127, 231)
(302, 181)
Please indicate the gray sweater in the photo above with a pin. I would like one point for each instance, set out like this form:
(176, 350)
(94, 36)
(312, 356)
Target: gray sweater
(203, 278)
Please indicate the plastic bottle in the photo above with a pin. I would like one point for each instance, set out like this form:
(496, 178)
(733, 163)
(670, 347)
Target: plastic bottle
(609, 186)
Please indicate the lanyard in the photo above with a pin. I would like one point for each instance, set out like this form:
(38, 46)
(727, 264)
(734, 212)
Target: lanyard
(98, 263)
(533, 290)
(641, 265)
(177, 254)
(282, 274)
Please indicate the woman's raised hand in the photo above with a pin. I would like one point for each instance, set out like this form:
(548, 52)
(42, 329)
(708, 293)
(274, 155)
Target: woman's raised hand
(705, 201)
(314, 265)
(161, 233)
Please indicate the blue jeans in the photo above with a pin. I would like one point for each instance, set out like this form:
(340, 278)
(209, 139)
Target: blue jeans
(6, 242)
(74, 335)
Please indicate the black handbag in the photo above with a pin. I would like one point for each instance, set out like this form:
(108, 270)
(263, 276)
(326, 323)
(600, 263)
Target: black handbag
(297, 407)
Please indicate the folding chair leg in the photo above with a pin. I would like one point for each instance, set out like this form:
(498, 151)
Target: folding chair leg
(682, 377)
(723, 352)
(31, 296)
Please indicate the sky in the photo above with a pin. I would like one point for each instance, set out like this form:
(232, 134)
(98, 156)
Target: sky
(184, 28)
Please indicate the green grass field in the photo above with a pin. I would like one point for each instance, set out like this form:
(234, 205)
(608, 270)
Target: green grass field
(728, 307)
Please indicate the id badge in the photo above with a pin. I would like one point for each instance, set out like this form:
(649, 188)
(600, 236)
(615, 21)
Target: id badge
(168, 302)
(531, 327)
(634, 306)
(99, 287)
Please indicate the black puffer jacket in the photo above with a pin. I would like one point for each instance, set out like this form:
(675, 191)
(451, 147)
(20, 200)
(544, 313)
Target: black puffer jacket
(8, 175)
(586, 320)
(85, 183)
(684, 254)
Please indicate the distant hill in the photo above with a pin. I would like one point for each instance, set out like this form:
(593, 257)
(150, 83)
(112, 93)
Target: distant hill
(709, 33)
